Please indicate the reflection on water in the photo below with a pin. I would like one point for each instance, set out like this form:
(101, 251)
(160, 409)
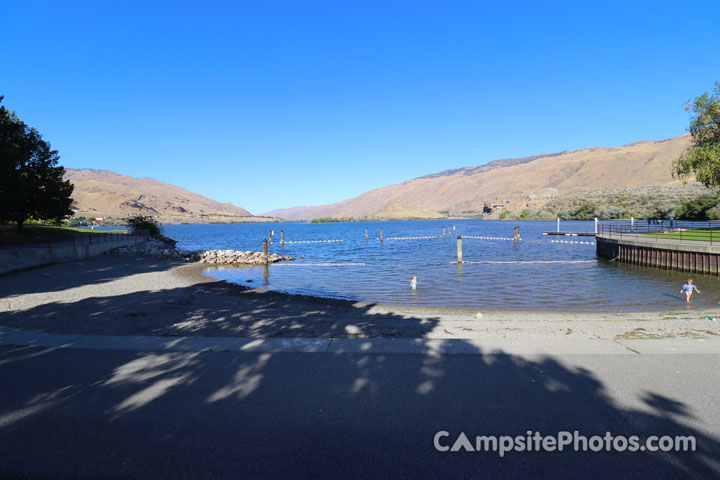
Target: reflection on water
(381, 272)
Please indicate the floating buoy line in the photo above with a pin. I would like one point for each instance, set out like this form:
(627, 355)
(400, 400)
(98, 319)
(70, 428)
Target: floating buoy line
(488, 238)
(318, 265)
(527, 262)
(313, 241)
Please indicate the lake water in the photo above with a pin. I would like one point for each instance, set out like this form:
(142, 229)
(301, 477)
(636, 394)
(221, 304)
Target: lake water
(381, 272)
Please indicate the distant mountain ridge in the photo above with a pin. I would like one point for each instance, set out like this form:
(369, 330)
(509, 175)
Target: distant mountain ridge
(507, 184)
(105, 193)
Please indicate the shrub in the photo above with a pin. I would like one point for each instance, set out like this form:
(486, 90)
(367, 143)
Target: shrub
(697, 209)
(144, 222)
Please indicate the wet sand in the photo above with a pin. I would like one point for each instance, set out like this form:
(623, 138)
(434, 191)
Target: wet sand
(126, 295)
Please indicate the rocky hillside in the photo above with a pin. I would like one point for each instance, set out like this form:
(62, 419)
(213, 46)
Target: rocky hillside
(511, 184)
(100, 193)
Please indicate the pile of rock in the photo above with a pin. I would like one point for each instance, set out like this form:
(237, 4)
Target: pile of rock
(157, 248)
(236, 257)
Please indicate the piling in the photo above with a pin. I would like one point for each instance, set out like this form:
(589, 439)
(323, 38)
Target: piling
(282, 238)
(443, 233)
(265, 250)
(459, 248)
(366, 234)
(270, 233)
(381, 235)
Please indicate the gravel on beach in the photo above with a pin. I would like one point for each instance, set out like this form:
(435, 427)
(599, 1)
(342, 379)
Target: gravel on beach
(129, 295)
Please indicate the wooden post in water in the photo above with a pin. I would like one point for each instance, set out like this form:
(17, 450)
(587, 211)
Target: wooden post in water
(459, 248)
(366, 234)
(443, 233)
(381, 235)
(270, 232)
(282, 238)
(265, 250)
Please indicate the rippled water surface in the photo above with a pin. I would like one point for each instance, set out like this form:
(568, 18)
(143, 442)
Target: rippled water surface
(388, 267)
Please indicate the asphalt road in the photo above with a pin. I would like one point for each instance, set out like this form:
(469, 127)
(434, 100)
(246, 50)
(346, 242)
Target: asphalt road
(76, 413)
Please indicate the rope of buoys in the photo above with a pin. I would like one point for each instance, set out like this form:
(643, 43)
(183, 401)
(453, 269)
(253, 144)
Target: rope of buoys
(318, 265)
(313, 241)
(572, 241)
(488, 238)
(524, 262)
(409, 238)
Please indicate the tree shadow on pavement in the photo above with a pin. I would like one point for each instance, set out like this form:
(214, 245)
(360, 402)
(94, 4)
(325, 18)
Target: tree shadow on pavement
(125, 414)
(83, 413)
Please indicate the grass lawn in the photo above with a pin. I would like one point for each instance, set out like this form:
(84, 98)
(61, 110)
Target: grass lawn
(9, 234)
(699, 234)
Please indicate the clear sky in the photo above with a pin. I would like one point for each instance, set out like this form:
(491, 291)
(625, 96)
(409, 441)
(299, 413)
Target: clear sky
(271, 104)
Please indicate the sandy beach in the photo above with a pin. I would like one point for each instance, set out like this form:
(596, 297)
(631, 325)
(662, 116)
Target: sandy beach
(128, 295)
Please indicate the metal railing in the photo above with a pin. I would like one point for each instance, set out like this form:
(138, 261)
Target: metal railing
(664, 230)
(80, 239)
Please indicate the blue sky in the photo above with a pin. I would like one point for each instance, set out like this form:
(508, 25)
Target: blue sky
(271, 104)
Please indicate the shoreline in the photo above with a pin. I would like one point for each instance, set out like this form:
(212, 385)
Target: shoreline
(129, 295)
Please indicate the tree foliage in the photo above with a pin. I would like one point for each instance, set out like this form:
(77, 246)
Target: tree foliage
(703, 156)
(700, 209)
(31, 181)
(144, 222)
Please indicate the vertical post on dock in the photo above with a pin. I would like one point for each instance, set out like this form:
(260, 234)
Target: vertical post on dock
(282, 238)
(459, 248)
(381, 235)
(558, 225)
(366, 234)
(265, 251)
(596, 224)
(632, 223)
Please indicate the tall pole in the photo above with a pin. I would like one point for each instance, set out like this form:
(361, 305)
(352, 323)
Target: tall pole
(381, 235)
(558, 225)
(459, 248)
(265, 250)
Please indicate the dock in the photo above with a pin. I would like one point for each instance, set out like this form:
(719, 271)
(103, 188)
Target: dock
(649, 247)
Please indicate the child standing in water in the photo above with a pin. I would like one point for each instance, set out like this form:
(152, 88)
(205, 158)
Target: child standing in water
(688, 289)
(413, 282)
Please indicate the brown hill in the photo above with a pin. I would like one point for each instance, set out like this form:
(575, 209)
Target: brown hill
(101, 193)
(516, 183)
(398, 210)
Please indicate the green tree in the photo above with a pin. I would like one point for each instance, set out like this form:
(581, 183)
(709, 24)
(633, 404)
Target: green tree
(698, 209)
(702, 158)
(144, 222)
(31, 181)
(586, 211)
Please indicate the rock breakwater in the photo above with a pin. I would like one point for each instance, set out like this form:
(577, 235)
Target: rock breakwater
(236, 257)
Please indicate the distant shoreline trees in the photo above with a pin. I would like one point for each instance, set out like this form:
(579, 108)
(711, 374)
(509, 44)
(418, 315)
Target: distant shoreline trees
(31, 181)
